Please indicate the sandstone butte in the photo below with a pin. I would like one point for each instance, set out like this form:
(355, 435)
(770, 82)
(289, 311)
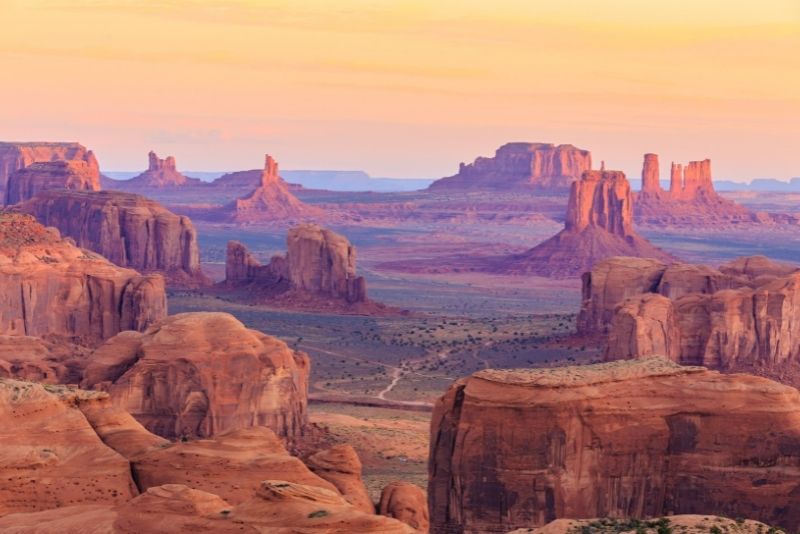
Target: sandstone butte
(48, 286)
(72, 462)
(271, 201)
(317, 272)
(16, 156)
(52, 175)
(627, 439)
(599, 224)
(520, 166)
(160, 174)
(741, 317)
(691, 197)
(198, 374)
(128, 229)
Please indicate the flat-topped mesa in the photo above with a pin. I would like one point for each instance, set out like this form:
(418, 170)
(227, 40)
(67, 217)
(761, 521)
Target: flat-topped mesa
(48, 286)
(633, 439)
(599, 224)
(518, 166)
(271, 201)
(16, 156)
(128, 229)
(160, 173)
(651, 175)
(51, 175)
(318, 263)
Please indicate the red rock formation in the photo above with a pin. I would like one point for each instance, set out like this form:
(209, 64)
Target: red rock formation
(15, 156)
(318, 271)
(627, 439)
(599, 225)
(341, 466)
(231, 465)
(271, 201)
(128, 229)
(51, 287)
(160, 174)
(40, 360)
(198, 374)
(521, 166)
(51, 456)
(691, 198)
(407, 503)
(52, 175)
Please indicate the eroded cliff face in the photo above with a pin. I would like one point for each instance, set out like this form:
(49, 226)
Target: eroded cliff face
(53, 175)
(639, 438)
(319, 263)
(128, 229)
(521, 166)
(198, 374)
(16, 156)
(599, 224)
(51, 287)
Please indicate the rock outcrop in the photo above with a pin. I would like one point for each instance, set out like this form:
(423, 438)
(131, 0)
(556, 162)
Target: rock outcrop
(198, 374)
(691, 198)
(341, 466)
(41, 360)
(51, 287)
(405, 502)
(52, 175)
(599, 224)
(128, 229)
(318, 271)
(51, 456)
(16, 156)
(160, 174)
(632, 439)
(271, 201)
(737, 320)
(686, 523)
(516, 166)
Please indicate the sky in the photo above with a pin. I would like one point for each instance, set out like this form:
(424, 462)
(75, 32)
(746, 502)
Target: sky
(406, 88)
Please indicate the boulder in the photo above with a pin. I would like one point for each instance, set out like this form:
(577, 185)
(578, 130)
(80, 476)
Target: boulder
(341, 466)
(405, 502)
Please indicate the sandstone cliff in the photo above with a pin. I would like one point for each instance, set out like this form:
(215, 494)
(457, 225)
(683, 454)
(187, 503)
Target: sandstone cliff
(599, 224)
(691, 198)
(198, 374)
(160, 174)
(318, 271)
(271, 201)
(16, 156)
(51, 287)
(521, 166)
(697, 315)
(625, 439)
(128, 229)
(53, 175)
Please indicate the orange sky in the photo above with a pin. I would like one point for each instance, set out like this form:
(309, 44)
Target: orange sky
(406, 88)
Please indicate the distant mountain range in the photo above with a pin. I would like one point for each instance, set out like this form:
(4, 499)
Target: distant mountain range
(330, 180)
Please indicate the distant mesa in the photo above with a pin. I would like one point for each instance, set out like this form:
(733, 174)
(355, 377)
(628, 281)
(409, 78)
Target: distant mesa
(599, 224)
(691, 197)
(317, 272)
(128, 229)
(52, 175)
(160, 174)
(626, 439)
(521, 166)
(270, 201)
(51, 287)
(16, 156)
